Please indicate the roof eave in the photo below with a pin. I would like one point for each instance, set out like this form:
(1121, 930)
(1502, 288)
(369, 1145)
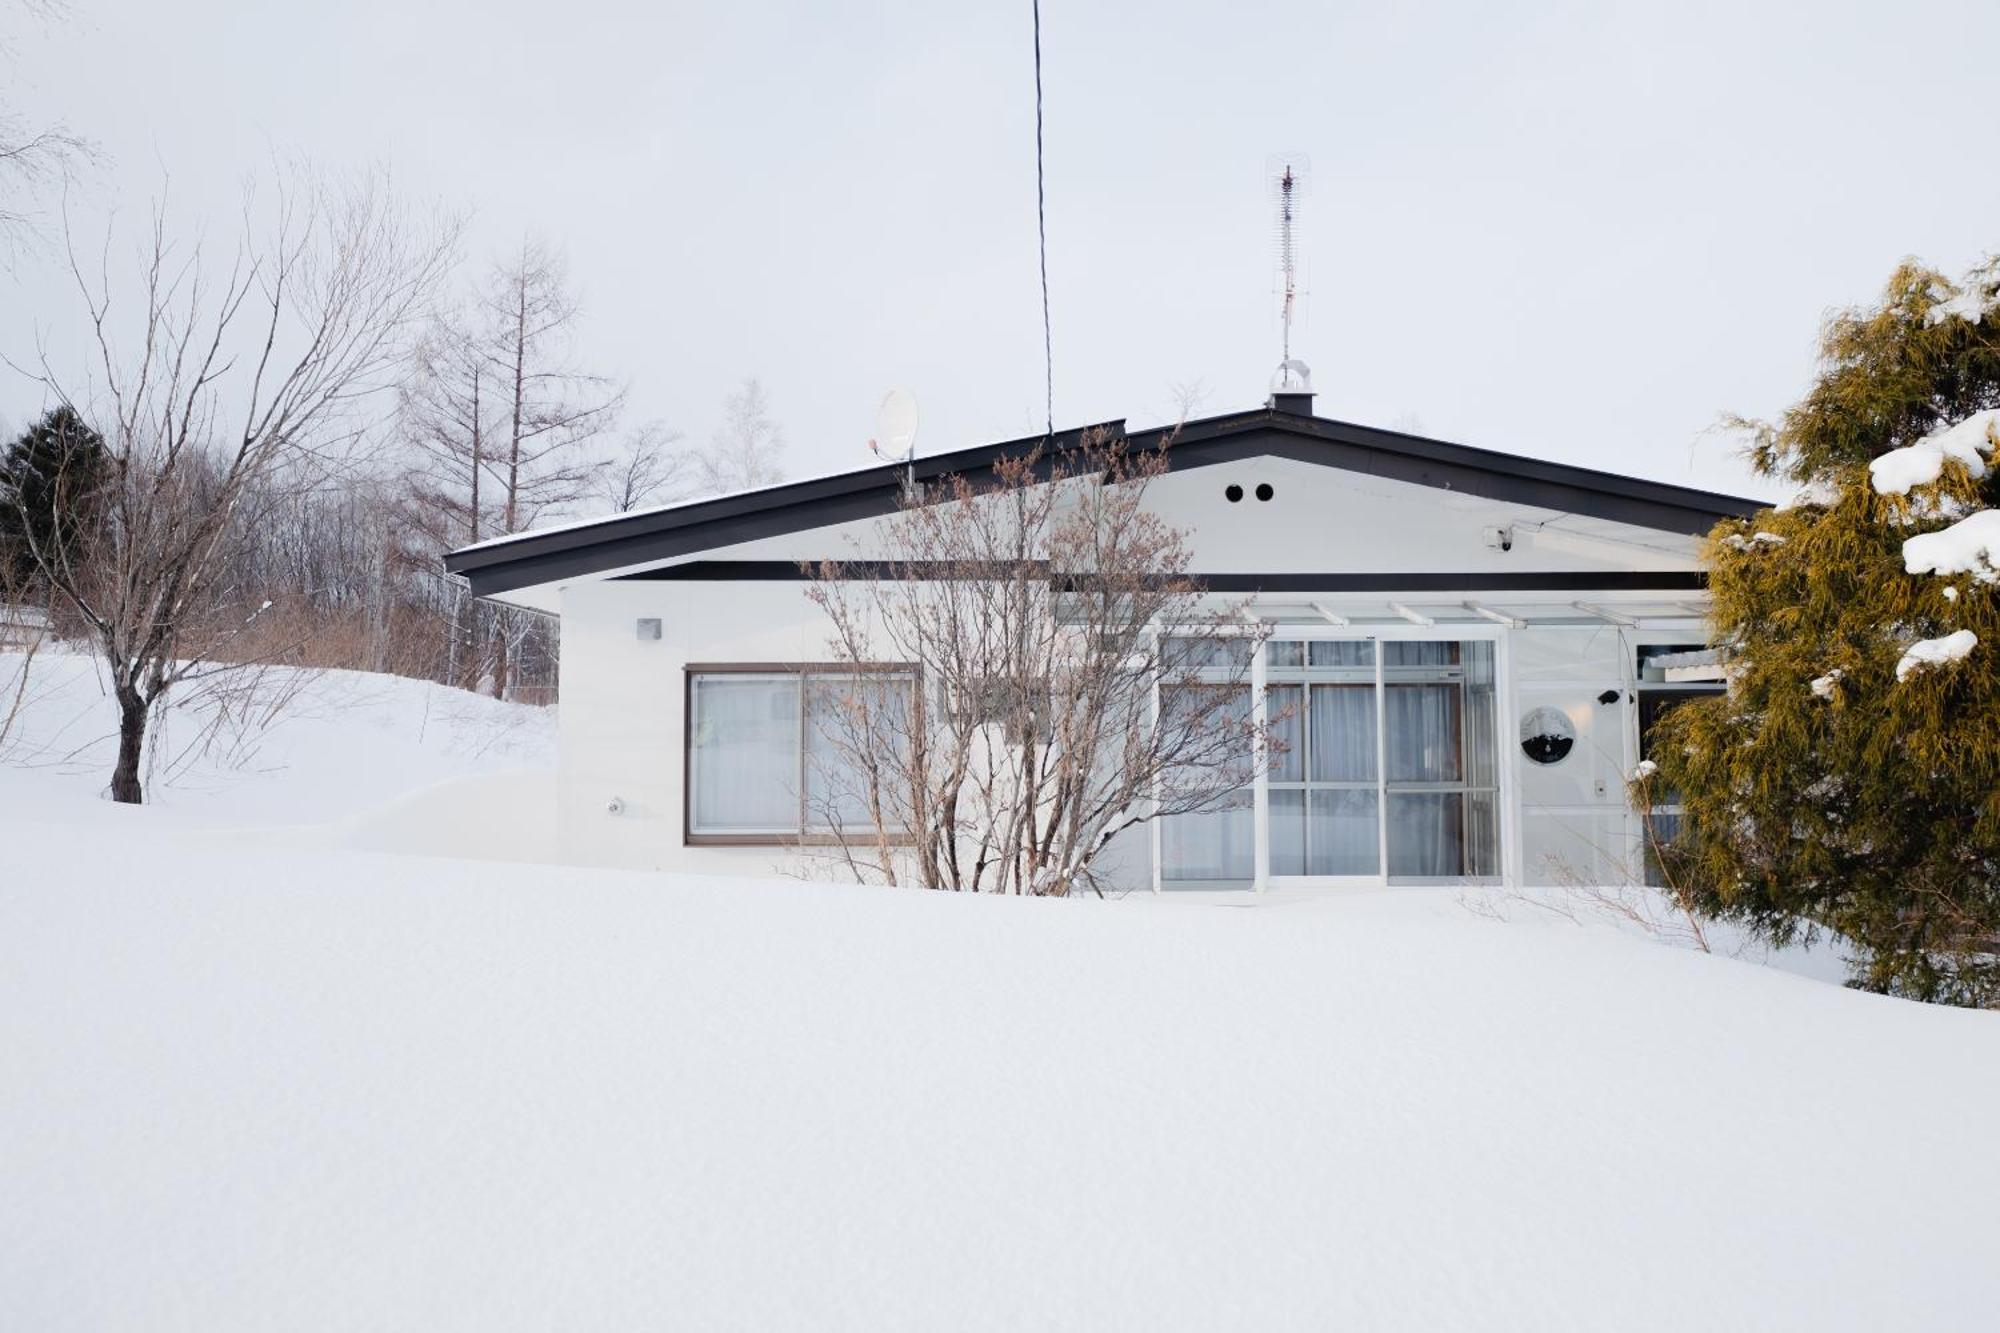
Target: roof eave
(627, 540)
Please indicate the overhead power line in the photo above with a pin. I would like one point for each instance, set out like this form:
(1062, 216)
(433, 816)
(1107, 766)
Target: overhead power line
(1042, 235)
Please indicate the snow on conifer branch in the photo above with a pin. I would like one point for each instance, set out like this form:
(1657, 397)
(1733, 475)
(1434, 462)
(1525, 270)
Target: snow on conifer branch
(1969, 546)
(1968, 442)
(1925, 653)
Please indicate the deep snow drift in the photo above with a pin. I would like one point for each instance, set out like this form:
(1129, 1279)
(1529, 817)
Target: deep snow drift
(251, 1084)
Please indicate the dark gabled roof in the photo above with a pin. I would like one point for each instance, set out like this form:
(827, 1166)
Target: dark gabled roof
(661, 534)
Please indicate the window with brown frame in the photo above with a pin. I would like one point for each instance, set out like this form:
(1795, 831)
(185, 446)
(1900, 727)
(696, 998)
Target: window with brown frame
(772, 748)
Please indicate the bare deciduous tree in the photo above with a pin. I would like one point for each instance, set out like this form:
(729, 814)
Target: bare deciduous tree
(1074, 681)
(551, 408)
(1188, 397)
(32, 157)
(744, 452)
(229, 378)
(649, 469)
(502, 420)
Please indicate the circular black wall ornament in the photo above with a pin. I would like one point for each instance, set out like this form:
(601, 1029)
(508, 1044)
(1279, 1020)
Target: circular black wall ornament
(1232, 493)
(1547, 735)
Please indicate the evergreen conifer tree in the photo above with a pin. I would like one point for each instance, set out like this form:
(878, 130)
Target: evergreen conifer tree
(1849, 780)
(49, 480)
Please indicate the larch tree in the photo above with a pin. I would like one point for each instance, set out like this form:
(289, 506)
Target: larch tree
(552, 409)
(1849, 779)
(449, 409)
(504, 424)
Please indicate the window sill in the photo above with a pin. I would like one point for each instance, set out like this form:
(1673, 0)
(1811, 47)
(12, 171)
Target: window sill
(858, 839)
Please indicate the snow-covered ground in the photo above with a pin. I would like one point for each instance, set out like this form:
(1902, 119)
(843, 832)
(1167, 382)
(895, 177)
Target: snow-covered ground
(266, 1080)
(360, 758)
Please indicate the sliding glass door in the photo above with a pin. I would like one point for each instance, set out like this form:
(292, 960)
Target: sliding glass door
(1323, 790)
(1384, 768)
(1442, 776)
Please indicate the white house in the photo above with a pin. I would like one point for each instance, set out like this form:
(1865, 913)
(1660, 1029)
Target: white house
(1513, 624)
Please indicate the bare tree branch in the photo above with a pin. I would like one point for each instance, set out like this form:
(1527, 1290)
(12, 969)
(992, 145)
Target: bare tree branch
(1074, 681)
(220, 389)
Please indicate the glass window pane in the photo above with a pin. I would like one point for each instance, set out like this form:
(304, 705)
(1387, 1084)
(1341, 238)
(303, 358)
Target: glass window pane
(1286, 653)
(1665, 827)
(1426, 835)
(1482, 717)
(1415, 653)
(1423, 733)
(1215, 845)
(1342, 726)
(745, 743)
(1224, 655)
(1344, 833)
(852, 724)
(1482, 834)
(1288, 833)
(1284, 714)
(1343, 652)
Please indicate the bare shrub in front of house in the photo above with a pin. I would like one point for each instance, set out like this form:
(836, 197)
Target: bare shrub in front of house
(1034, 673)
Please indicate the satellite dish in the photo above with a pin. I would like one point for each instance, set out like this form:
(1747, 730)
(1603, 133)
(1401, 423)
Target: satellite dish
(896, 427)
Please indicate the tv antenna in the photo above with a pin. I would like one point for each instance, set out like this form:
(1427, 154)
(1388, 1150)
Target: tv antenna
(895, 438)
(1290, 176)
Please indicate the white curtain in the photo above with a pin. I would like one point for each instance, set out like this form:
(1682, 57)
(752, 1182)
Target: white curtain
(745, 754)
(1344, 833)
(847, 716)
(1343, 733)
(1441, 733)
(1423, 733)
(1324, 829)
(1426, 839)
(1216, 845)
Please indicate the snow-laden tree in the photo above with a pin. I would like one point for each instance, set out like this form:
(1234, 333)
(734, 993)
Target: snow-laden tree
(1849, 780)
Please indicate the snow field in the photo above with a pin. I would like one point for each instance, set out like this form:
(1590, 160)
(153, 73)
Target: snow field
(264, 1080)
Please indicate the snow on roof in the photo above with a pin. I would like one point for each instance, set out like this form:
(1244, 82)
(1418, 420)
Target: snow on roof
(546, 529)
(567, 525)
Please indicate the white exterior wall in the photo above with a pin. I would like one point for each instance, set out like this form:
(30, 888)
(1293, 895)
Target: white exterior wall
(623, 698)
(622, 729)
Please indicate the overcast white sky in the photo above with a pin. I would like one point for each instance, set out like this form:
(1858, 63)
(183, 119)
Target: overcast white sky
(1578, 233)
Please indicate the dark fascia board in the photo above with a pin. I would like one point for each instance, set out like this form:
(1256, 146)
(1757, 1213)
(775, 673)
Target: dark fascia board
(594, 548)
(1537, 580)
(775, 511)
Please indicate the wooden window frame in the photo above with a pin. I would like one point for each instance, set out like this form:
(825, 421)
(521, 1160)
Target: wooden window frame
(804, 671)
